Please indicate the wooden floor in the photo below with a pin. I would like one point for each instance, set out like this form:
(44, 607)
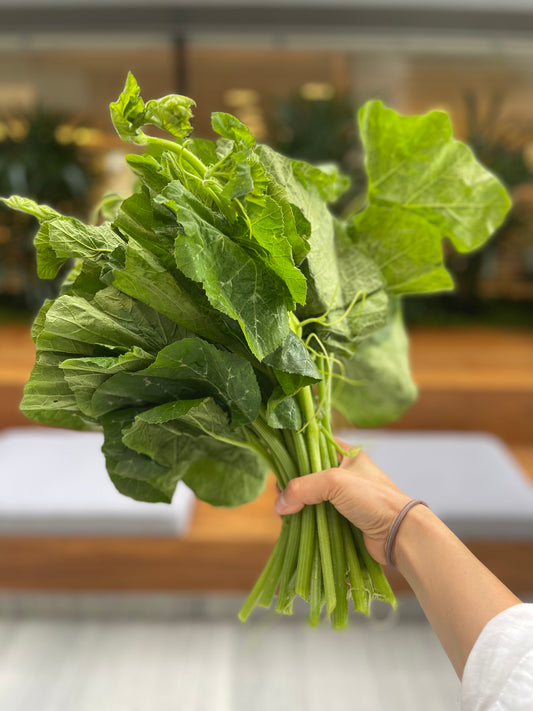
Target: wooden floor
(475, 380)
(202, 662)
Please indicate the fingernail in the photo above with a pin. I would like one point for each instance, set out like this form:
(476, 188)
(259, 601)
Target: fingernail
(280, 504)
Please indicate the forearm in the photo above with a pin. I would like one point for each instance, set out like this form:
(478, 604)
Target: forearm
(458, 594)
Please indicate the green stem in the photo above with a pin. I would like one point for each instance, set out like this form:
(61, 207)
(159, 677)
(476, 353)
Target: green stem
(380, 583)
(306, 552)
(358, 590)
(199, 168)
(274, 442)
(312, 435)
(289, 444)
(285, 594)
(302, 455)
(325, 557)
(307, 536)
(340, 613)
(317, 591)
(272, 578)
(191, 159)
(257, 589)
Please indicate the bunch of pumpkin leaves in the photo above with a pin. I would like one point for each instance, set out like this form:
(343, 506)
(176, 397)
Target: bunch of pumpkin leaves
(213, 321)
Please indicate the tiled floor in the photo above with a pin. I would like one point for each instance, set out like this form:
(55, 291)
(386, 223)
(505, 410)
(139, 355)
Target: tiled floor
(190, 654)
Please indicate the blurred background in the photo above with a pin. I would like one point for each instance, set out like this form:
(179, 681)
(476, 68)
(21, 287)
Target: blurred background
(295, 71)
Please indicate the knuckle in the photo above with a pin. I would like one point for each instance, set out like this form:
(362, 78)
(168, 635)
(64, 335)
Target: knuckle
(335, 481)
(293, 489)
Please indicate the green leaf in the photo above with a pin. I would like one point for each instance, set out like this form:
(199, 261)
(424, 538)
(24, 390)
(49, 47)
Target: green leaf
(381, 364)
(292, 357)
(48, 398)
(293, 369)
(111, 320)
(171, 113)
(296, 227)
(235, 283)
(219, 473)
(172, 295)
(30, 207)
(413, 162)
(60, 238)
(325, 178)
(66, 237)
(109, 206)
(225, 475)
(229, 378)
(148, 169)
(149, 223)
(176, 196)
(84, 280)
(40, 319)
(283, 411)
(203, 149)
(129, 113)
(133, 474)
(268, 231)
(189, 368)
(363, 307)
(177, 410)
(319, 268)
(85, 375)
(241, 182)
(406, 248)
(230, 127)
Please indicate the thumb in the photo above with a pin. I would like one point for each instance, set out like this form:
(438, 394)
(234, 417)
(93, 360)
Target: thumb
(308, 489)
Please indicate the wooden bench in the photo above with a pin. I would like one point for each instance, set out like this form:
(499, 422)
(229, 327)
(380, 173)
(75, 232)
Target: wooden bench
(469, 380)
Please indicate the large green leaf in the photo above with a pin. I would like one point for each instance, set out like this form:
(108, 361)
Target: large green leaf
(150, 224)
(60, 238)
(405, 247)
(189, 368)
(48, 398)
(67, 237)
(296, 227)
(268, 231)
(415, 163)
(293, 369)
(219, 473)
(135, 475)
(321, 268)
(363, 307)
(111, 320)
(30, 207)
(84, 375)
(381, 365)
(173, 295)
(235, 283)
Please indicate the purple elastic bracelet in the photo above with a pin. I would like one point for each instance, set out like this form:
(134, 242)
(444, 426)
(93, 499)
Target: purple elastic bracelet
(396, 525)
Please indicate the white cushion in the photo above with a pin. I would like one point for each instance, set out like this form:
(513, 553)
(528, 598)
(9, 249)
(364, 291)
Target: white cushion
(469, 479)
(54, 481)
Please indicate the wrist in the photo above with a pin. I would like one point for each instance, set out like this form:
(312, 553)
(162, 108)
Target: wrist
(393, 532)
(418, 526)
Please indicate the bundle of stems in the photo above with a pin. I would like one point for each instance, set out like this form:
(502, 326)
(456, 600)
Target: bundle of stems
(319, 556)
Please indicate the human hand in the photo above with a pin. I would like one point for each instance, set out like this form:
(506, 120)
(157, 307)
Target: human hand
(359, 490)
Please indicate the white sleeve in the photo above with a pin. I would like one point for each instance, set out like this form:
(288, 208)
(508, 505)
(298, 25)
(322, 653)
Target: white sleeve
(498, 675)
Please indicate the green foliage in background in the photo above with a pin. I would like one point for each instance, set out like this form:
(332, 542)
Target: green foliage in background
(34, 163)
